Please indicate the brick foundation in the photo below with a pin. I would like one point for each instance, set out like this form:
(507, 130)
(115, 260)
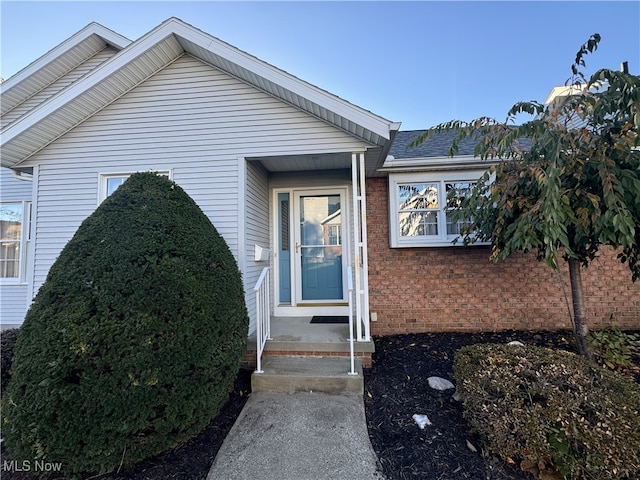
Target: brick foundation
(458, 289)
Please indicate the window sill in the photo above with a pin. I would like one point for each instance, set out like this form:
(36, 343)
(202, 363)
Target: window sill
(437, 244)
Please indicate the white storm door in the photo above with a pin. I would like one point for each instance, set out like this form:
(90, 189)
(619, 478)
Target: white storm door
(320, 252)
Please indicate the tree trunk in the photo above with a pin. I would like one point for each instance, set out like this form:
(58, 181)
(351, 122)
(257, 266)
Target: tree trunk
(580, 326)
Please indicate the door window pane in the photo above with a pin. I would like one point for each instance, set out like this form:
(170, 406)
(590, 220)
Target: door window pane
(320, 248)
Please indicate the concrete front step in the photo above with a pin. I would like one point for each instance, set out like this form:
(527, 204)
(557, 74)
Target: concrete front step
(286, 374)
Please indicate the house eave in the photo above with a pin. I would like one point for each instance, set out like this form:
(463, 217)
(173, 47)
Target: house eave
(426, 164)
(81, 46)
(142, 58)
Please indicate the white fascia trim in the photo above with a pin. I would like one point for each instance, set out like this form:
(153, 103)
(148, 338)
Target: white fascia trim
(107, 35)
(93, 78)
(436, 163)
(314, 94)
(176, 27)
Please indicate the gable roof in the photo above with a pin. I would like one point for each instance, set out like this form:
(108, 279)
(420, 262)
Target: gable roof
(152, 52)
(57, 62)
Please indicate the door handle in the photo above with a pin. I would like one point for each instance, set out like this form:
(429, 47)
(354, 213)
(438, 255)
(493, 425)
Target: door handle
(298, 247)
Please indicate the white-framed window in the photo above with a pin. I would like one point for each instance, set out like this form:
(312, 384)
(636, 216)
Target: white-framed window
(109, 182)
(15, 238)
(418, 207)
(335, 235)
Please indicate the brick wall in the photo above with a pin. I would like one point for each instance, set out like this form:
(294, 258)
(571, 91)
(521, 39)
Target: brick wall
(459, 289)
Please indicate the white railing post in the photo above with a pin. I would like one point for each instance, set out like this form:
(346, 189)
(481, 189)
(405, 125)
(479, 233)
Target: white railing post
(263, 316)
(356, 238)
(351, 349)
(365, 254)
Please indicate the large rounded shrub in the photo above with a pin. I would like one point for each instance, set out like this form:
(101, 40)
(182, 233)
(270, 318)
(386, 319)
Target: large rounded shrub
(132, 343)
(7, 344)
(545, 406)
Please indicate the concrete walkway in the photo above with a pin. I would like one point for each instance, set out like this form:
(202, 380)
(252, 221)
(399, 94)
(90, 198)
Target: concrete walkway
(299, 436)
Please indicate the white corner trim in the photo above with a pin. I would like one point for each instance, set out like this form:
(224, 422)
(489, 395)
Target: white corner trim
(242, 195)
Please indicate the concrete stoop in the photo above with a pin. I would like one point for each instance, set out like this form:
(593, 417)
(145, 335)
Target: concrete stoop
(288, 374)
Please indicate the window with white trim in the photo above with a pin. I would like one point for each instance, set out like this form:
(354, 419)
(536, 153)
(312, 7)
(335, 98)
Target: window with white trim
(15, 237)
(109, 183)
(418, 207)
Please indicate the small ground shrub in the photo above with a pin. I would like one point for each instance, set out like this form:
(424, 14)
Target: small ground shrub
(613, 347)
(133, 342)
(7, 345)
(538, 404)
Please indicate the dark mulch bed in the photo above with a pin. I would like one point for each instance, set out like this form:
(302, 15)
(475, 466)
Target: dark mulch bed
(395, 389)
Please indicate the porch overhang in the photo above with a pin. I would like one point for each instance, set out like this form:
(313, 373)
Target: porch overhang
(340, 160)
(139, 60)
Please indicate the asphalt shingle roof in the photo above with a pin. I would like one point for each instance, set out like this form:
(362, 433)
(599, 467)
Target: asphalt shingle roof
(436, 146)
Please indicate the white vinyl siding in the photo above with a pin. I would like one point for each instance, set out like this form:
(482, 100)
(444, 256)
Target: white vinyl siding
(256, 206)
(14, 296)
(190, 119)
(57, 86)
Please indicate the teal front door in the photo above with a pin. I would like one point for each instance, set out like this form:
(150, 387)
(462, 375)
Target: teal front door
(320, 263)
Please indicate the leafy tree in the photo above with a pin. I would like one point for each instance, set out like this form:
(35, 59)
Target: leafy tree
(133, 341)
(566, 182)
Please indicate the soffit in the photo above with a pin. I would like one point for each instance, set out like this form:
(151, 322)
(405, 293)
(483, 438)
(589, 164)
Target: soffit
(57, 63)
(316, 162)
(82, 100)
(152, 52)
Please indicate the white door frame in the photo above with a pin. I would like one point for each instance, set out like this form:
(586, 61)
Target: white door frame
(296, 307)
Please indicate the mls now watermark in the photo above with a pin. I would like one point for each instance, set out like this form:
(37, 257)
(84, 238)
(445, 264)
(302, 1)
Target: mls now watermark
(39, 466)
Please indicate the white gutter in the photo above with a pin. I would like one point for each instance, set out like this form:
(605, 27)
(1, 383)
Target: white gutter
(21, 176)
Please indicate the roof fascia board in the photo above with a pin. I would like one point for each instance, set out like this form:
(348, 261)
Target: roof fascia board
(109, 36)
(440, 163)
(94, 77)
(180, 30)
(341, 107)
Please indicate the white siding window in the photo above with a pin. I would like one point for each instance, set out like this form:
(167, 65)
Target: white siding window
(109, 183)
(418, 207)
(15, 227)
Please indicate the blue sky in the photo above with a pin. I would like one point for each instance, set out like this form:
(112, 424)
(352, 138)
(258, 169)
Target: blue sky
(420, 63)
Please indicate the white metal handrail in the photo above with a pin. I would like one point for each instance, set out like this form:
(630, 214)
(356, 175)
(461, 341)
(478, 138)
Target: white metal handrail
(263, 316)
(351, 349)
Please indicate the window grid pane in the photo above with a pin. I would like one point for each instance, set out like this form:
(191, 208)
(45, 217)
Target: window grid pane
(423, 196)
(113, 183)
(418, 224)
(456, 192)
(418, 209)
(10, 238)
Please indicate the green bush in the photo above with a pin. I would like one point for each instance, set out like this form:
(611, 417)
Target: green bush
(7, 344)
(613, 348)
(537, 404)
(133, 342)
